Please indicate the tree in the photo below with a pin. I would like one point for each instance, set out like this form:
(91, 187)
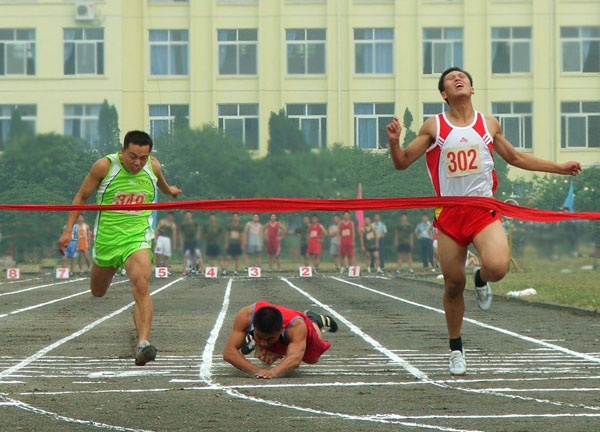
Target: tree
(108, 129)
(18, 130)
(284, 135)
(407, 120)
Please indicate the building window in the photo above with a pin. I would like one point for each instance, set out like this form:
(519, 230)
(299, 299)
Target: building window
(81, 121)
(168, 52)
(162, 118)
(516, 119)
(442, 49)
(305, 51)
(237, 51)
(373, 50)
(580, 124)
(511, 50)
(311, 119)
(370, 121)
(17, 51)
(240, 121)
(431, 109)
(84, 51)
(28, 116)
(580, 49)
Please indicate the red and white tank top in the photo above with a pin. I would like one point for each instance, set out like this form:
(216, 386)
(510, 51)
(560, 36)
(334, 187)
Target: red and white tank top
(346, 232)
(314, 232)
(461, 160)
(272, 231)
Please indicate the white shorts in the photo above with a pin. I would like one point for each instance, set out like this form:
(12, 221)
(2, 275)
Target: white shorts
(163, 246)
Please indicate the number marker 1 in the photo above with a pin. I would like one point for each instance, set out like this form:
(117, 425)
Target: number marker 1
(354, 271)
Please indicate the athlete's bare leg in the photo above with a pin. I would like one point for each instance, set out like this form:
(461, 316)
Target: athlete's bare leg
(270, 262)
(377, 260)
(278, 259)
(100, 279)
(492, 245)
(318, 330)
(139, 268)
(452, 261)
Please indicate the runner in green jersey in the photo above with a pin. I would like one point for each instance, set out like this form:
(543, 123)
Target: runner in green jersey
(123, 238)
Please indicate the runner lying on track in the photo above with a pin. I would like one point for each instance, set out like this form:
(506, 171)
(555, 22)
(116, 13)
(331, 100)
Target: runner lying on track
(276, 332)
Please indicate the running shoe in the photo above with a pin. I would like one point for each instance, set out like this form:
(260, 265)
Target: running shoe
(397, 272)
(145, 355)
(342, 270)
(235, 273)
(411, 271)
(458, 365)
(368, 269)
(322, 321)
(248, 345)
(379, 271)
(223, 272)
(483, 294)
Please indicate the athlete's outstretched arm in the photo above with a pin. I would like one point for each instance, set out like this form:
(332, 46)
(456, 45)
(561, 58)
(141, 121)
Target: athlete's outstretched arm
(231, 353)
(296, 348)
(88, 186)
(162, 182)
(523, 160)
(403, 158)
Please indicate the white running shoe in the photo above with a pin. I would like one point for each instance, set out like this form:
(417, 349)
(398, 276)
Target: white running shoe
(458, 365)
(483, 294)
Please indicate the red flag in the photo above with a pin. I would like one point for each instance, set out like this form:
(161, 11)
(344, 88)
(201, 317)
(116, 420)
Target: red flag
(360, 215)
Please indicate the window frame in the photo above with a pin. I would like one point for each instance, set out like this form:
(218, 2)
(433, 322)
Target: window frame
(237, 43)
(442, 41)
(580, 41)
(375, 116)
(83, 119)
(522, 119)
(5, 119)
(29, 51)
(321, 118)
(305, 43)
(98, 46)
(169, 44)
(221, 121)
(170, 117)
(581, 113)
(511, 41)
(373, 42)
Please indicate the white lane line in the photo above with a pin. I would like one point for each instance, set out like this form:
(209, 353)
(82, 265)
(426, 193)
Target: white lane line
(206, 376)
(207, 355)
(417, 373)
(480, 324)
(40, 286)
(26, 407)
(19, 281)
(28, 308)
(448, 386)
(11, 370)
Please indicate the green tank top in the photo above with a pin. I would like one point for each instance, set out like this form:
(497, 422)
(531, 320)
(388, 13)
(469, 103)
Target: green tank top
(369, 237)
(235, 233)
(121, 187)
(165, 230)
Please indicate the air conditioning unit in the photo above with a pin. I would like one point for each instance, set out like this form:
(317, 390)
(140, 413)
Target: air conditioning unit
(85, 11)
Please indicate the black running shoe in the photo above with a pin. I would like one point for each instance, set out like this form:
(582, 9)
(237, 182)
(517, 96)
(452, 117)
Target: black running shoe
(248, 345)
(322, 321)
(145, 355)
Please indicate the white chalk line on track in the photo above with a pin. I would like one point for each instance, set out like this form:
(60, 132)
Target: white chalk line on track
(501, 330)
(28, 308)
(479, 323)
(206, 376)
(40, 286)
(19, 281)
(7, 372)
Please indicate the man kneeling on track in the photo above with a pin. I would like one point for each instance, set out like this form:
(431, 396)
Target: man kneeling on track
(276, 332)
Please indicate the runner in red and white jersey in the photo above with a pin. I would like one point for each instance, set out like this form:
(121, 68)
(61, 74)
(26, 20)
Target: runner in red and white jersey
(274, 232)
(459, 146)
(346, 234)
(316, 234)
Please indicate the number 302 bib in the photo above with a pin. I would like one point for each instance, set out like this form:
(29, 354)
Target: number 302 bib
(462, 161)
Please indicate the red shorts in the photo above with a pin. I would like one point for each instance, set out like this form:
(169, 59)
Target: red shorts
(314, 247)
(273, 247)
(346, 250)
(315, 347)
(463, 223)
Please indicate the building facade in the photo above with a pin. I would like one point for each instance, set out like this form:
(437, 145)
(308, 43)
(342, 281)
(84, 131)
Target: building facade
(340, 68)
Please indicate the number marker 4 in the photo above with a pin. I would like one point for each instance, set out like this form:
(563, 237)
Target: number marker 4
(161, 272)
(62, 273)
(13, 273)
(210, 272)
(253, 272)
(354, 271)
(305, 271)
